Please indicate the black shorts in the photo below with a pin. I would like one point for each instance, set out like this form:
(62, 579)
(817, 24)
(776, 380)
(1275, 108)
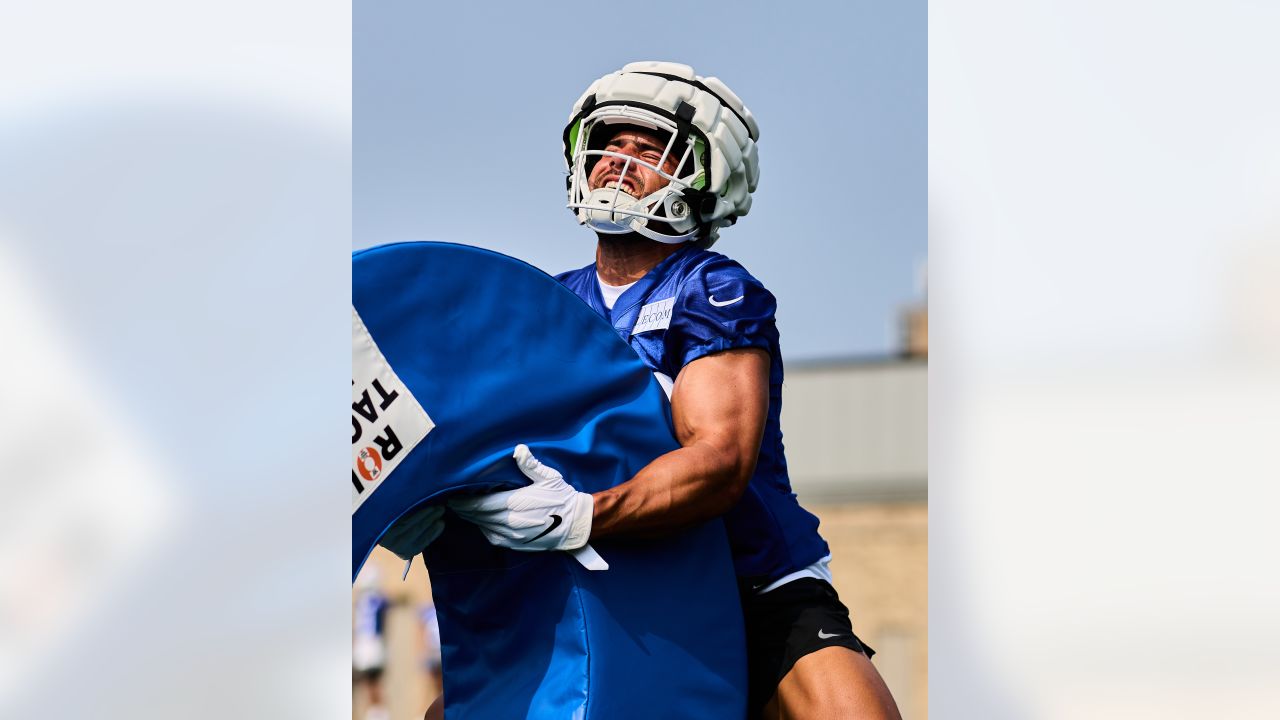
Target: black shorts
(786, 624)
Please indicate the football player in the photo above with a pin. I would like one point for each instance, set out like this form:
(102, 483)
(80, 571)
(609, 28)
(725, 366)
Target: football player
(660, 160)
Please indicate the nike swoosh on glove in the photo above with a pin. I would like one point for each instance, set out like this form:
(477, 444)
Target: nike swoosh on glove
(412, 533)
(547, 515)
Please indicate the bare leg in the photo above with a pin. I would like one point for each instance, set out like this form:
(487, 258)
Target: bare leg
(834, 683)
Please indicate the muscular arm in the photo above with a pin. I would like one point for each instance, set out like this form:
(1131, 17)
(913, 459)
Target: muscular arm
(719, 405)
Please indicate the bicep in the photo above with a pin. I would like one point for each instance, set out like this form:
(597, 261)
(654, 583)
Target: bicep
(720, 402)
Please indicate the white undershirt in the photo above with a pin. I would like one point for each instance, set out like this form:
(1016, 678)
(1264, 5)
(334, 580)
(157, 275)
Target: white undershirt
(611, 293)
(817, 570)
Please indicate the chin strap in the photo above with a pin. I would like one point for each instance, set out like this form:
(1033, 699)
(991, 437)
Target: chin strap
(632, 218)
(667, 239)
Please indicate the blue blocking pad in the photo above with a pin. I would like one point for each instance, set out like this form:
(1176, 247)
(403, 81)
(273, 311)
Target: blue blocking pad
(473, 353)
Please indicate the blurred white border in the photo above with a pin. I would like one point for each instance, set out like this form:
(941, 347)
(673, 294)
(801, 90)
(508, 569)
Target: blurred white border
(175, 281)
(286, 56)
(86, 495)
(1105, 397)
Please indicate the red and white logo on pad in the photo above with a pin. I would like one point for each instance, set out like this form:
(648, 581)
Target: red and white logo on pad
(386, 420)
(369, 464)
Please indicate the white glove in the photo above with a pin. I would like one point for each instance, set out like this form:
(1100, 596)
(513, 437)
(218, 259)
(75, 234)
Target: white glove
(412, 533)
(547, 515)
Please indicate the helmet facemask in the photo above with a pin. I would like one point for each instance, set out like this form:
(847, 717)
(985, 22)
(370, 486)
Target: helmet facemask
(715, 139)
(664, 215)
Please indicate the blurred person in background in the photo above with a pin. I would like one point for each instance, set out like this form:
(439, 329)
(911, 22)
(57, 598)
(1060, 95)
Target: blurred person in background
(369, 643)
(660, 160)
(431, 661)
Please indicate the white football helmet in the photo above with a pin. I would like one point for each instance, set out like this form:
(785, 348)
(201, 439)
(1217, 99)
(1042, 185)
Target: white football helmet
(708, 129)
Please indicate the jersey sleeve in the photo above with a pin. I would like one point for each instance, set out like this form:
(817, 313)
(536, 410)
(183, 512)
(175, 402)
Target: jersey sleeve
(720, 307)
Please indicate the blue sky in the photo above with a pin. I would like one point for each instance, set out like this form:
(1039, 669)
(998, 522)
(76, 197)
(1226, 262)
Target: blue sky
(459, 109)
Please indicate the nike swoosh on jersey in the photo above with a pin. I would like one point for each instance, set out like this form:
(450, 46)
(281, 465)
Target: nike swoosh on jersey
(555, 522)
(712, 299)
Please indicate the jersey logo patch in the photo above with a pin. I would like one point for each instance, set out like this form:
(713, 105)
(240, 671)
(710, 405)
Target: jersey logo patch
(386, 420)
(718, 303)
(654, 316)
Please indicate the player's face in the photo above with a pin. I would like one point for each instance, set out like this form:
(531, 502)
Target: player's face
(640, 181)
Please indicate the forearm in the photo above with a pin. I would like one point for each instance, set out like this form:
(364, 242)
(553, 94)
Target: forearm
(718, 409)
(677, 490)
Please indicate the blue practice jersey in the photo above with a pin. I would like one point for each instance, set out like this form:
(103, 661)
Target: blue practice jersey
(694, 303)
